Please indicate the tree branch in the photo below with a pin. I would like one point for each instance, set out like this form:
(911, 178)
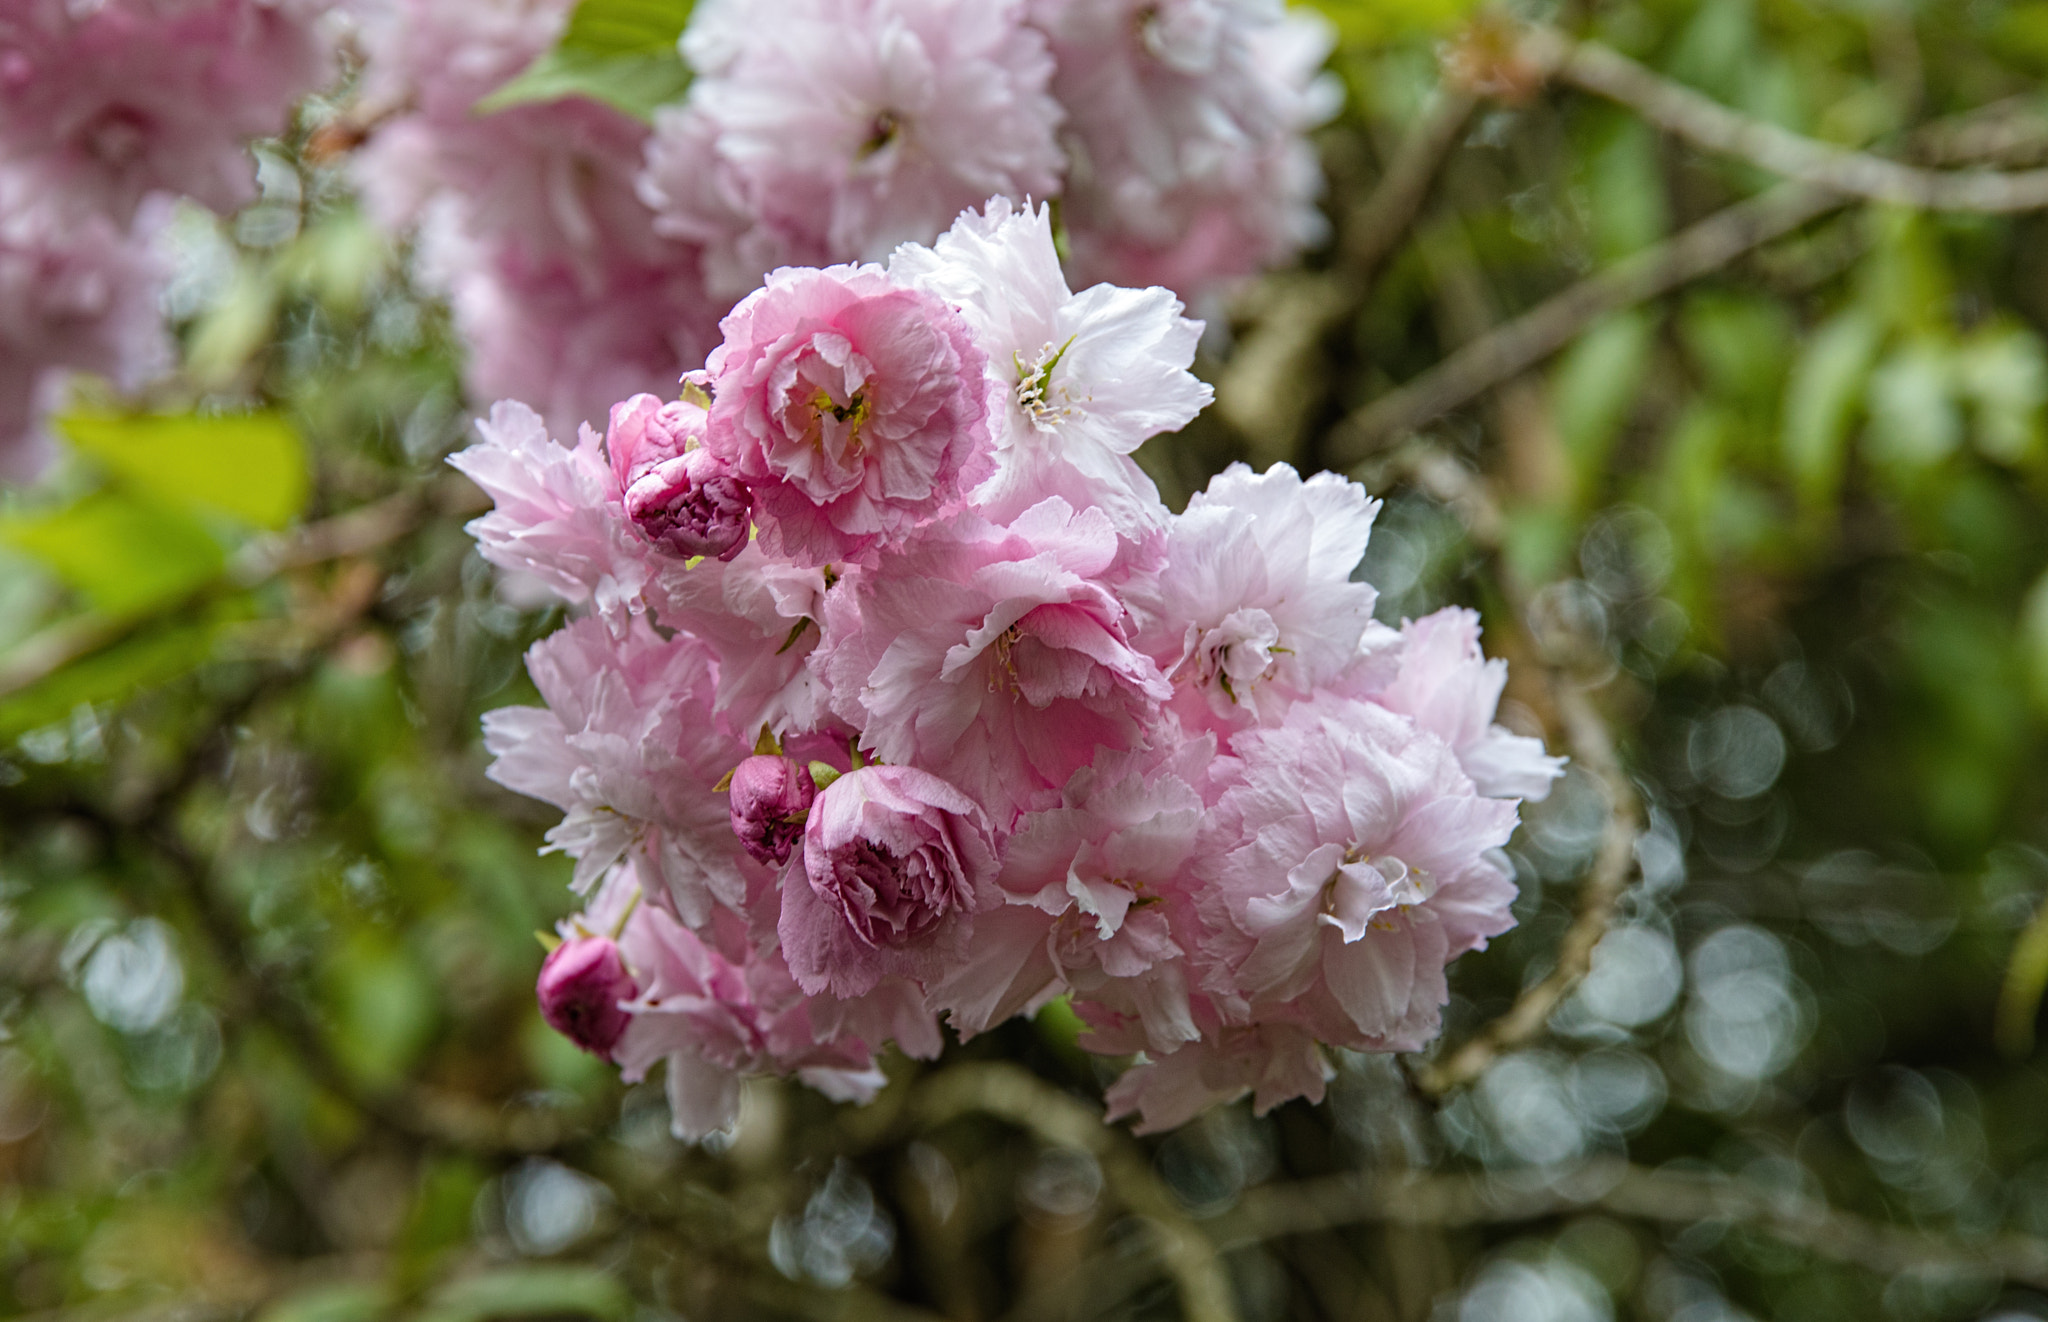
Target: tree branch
(1599, 893)
(1519, 344)
(1704, 122)
(1014, 1094)
(1612, 1185)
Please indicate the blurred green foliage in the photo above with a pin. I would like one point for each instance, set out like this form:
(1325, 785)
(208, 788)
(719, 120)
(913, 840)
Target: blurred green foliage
(268, 1047)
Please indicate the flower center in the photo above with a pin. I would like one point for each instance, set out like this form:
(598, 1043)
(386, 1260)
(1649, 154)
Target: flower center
(854, 412)
(882, 131)
(1035, 393)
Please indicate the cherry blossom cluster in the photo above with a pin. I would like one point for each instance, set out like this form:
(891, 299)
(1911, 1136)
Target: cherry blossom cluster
(588, 256)
(107, 110)
(893, 695)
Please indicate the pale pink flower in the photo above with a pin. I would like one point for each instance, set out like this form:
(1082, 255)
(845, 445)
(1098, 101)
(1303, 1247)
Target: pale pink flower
(1347, 866)
(852, 405)
(583, 985)
(1099, 899)
(530, 219)
(716, 1010)
(1254, 605)
(558, 514)
(76, 294)
(995, 657)
(1076, 381)
(1274, 1062)
(629, 749)
(832, 130)
(1448, 687)
(760, 615)
(1185, 124)
(569, 335)
(681, 496)
(553, 180)
(896, 863)
(102, 104)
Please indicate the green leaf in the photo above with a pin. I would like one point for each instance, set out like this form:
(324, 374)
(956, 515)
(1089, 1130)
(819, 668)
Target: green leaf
(115, 672)
(1593, 388)
(121, 552)
(2003, 371)
(251, 466)
(384, 1006)
(2034, 641)
(1820, 403)
(532, 1292)
(1914, 420)
(340, 1301)
(620, 52)
(1370, 22)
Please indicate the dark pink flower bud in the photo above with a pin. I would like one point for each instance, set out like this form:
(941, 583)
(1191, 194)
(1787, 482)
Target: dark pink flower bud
(693, 505)
(582, 982)
(682, 497)
(770, 798)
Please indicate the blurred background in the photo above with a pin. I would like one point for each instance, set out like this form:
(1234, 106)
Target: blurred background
(1702, 359)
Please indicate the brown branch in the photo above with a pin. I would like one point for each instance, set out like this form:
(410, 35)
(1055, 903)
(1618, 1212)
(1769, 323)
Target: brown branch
(1599, 893)
(1704, 122)
(1265, 389)
(1376, 229)
(1612, 1185)
(1519, 344)
(1014, 1094)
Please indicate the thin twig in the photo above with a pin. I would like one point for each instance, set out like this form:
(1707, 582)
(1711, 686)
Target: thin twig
(1704, 122)
(1669, 1196)
(1386, 215)
(1014, 1094)
(1520, 344)
(1265, 390)
(1599, 893)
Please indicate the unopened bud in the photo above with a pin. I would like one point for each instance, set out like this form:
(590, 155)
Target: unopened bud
(771, 797)
(582, 982)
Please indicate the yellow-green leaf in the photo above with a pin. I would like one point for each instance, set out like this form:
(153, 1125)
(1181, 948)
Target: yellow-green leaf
(121, 551)
(251, 466)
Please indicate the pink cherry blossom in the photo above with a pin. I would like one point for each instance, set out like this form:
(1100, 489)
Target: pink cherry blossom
(558, 514)
(76, 294)
(995, 657)
(1274, 1062)
(103, 104)
(1449, 688)
(1076, 381)
(1254, 605)
(1100, 900)
(716, 1011)
(1348, 865)
(568, 335)
(628, 748)
(852, 405)
(831, 130)
(681, 496)
(760, 616)
(1185, 123)
(896, 863)
(529, 216)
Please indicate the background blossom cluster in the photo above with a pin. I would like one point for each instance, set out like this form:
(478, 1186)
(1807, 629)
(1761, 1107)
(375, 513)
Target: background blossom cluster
(107, 111)
(588, 255)
(894, 695)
